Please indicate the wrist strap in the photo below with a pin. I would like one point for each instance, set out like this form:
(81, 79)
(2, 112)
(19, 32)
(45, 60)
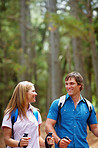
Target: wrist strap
(58, 143)
(19, 144)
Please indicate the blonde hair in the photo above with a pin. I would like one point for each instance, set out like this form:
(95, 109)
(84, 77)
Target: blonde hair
(18, 99)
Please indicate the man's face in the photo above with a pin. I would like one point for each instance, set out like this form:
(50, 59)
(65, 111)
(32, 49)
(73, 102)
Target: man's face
(72, 87)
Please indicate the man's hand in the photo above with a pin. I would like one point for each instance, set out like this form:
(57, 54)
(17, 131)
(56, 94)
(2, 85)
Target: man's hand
(64, 142)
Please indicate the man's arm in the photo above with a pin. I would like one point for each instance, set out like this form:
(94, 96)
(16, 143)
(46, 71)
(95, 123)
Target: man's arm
(49, 127)
(94, 129)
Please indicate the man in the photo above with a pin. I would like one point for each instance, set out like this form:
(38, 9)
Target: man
(74, 116)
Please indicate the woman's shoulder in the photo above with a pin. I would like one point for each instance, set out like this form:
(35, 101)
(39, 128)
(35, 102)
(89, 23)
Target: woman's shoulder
(33, 108)
(6, 122)
(7, 114)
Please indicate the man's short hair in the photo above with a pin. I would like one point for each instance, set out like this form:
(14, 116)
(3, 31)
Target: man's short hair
(78, 78)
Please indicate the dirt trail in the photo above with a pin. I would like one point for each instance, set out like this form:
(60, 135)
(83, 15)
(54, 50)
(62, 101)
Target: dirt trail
(92, 140)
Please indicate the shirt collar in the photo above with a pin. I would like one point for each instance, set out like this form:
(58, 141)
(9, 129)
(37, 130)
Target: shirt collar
(82, 99)
(67, 97)
(30, 107)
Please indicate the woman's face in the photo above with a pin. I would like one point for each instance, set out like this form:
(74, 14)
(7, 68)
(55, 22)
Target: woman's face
(31, 95)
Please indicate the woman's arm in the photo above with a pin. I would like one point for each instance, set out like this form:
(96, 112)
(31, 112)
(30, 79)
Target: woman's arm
(41, 140)
(50, 140)
(7, 132)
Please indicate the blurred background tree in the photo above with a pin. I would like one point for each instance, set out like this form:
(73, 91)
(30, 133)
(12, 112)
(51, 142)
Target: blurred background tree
(42, 41)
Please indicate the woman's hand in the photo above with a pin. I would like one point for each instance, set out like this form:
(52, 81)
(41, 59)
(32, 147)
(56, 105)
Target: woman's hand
(24, 141)
(50, 140)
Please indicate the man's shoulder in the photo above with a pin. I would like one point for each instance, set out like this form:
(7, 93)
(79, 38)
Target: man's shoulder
(56, 101)
(88, 103)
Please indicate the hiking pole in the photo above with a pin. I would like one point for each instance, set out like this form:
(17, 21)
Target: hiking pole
(25, 135)
(46, 144)
(67, 138)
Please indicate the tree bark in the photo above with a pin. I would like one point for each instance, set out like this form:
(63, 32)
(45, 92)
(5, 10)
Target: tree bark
(23, 35)
(77, 52)
(93, 48)
(56, 82)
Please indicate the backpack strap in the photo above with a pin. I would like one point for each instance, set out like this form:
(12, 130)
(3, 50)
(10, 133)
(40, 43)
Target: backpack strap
(89, 105)
(60, 105)
(62, 100)
(35, 112)
(14, 115)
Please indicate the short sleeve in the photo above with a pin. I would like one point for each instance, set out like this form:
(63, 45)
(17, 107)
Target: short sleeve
(53, 111)
(6, 121)
(39, 119)
(93, 119)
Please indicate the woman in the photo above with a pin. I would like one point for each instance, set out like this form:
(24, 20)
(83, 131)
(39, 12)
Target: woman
(23, 95)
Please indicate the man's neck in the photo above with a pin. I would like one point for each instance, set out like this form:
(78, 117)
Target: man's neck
(76, 99)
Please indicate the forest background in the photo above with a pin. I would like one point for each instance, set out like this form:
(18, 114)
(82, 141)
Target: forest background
(42, 41)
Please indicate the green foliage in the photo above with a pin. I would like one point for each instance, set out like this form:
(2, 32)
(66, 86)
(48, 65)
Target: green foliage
(69, 25)
(37, 60)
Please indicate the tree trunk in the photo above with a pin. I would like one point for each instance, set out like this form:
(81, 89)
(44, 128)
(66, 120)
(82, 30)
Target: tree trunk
(23, 35)
(56, 82)
(93, 49)
(77, 52)
(55, 65)
(48, 101)
(79, 64)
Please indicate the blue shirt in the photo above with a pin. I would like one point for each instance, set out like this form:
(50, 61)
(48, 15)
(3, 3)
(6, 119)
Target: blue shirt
(73, 121)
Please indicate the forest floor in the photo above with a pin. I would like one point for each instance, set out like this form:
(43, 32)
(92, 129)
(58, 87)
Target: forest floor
(92, 140)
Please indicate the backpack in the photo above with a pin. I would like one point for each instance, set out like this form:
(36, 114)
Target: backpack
(62, 102)
(14, 115)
